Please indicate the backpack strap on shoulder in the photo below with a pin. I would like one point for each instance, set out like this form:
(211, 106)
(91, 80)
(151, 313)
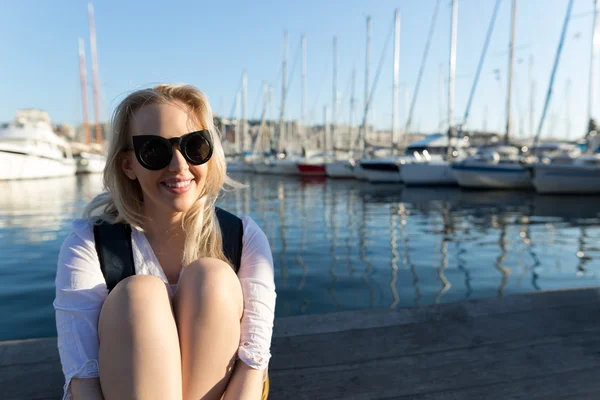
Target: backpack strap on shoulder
(115, 253)
(232, 231)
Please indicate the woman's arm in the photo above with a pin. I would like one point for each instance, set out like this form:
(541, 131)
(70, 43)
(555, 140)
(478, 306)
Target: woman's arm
(86, 389)
(257, 279)
(80, 293)
(246, 383)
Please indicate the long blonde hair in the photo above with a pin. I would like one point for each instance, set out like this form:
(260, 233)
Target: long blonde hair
(123, 202)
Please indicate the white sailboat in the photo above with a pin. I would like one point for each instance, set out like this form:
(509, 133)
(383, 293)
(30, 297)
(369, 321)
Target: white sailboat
(29, 148)
(436, 169)
(579, 174)
(498, 167)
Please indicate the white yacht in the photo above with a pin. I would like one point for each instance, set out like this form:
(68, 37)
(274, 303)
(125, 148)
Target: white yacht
(496, 167)
(29, 148)
(430, 165)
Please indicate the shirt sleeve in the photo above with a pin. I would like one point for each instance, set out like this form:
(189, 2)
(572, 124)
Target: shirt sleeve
(257, 279)
(80, 293)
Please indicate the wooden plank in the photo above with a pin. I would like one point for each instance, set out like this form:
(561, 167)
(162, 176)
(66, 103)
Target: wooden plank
(443, 371)
(574, 385)
(363, 319)
(31, 381)
(441, 335)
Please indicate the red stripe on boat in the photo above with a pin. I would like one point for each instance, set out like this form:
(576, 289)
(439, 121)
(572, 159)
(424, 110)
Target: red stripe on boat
(311, 169)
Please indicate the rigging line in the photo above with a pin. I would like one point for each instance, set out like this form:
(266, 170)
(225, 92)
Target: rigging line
(377, 74)
(422, 67)
(480, 66)
(557, 58)
(311, 113)
(344, 96)
(291, 75)
(239, 88)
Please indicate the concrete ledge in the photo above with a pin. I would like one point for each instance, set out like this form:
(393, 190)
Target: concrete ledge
(542, 345)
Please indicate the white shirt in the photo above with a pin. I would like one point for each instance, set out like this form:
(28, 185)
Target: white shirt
(81, 291)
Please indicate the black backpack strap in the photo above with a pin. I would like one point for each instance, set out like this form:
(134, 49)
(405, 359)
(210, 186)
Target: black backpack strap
(232, 230)
(113, 245)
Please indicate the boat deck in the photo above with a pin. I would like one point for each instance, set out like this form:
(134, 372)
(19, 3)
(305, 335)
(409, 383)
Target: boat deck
(536, 346)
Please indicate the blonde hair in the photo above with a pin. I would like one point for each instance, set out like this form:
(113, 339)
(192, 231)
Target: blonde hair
(123, 202)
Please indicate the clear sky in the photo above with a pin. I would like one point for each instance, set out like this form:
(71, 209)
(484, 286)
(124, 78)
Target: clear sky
(209, 44)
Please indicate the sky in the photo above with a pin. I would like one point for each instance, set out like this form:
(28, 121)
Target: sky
(209, 44)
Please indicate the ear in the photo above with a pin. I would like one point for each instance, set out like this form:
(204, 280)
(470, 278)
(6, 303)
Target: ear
(127, 165)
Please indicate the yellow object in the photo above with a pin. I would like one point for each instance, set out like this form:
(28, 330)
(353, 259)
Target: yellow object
(265, 393)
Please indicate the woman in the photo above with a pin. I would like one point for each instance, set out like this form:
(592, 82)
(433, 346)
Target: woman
(185, 326)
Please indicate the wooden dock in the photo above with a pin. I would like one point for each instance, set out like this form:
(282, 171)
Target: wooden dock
(534, 346)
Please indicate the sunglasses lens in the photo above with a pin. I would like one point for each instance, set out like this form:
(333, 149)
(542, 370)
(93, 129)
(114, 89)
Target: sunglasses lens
(155, 153)
(198, 149)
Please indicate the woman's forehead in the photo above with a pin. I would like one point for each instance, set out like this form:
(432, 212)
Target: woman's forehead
(164, 119)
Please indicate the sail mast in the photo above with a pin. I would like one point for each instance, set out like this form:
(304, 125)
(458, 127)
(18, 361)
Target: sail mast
(396, 77)
(593, 62)
(510, 70)
(452, 67)
(244, 130)
(303, 105)
(334, 100)
(83, 80)
(94, 72)
(283, 92)
(363, 144)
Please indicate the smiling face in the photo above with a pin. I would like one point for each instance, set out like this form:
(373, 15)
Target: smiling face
(175, 188)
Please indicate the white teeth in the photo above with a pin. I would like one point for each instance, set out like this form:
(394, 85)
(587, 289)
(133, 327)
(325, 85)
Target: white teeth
(178, 184)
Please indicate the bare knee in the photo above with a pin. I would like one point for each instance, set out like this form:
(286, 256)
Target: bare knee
(133, 296)
(211, 281)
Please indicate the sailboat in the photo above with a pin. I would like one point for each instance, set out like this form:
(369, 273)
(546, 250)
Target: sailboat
(436, 169)
(90, 157)
(497, 167)
(578, 174)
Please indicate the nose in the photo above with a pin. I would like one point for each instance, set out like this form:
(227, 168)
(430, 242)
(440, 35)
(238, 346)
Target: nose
(178, 162)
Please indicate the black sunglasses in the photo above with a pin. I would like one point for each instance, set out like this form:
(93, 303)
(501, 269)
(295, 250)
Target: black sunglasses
(155, 152)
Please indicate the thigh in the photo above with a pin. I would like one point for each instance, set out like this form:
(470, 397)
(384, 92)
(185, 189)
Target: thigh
(139, 353)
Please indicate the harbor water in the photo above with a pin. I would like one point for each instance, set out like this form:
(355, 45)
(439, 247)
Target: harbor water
(337, 245)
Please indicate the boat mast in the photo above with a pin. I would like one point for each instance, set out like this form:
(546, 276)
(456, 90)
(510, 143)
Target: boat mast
(511, 56)
(593, 64)
(531, 95)
(83, 79)
(244, 130)
(94, 54)
(396, 79)
(568, 109)
(452, 67)
(303, 105)
(363, 143)
(352, 100)
(334, 100)
(239, 126)
(325, 127)
(283, 92)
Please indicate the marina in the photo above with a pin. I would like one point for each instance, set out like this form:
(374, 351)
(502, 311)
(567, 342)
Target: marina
(422, 249)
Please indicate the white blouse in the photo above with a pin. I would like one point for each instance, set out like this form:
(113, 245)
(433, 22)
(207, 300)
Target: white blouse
(81, 291)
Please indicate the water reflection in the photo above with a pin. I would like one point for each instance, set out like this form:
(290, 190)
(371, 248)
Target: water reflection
(357, 245)
(337, 245)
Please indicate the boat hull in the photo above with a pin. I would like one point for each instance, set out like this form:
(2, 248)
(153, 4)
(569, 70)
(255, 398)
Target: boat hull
(568, 179)
(428, 173)
(24, 166)
(307, 169)
(340, 169)
(492, 176)
(284, 167)
(94, 165)
(382, 172)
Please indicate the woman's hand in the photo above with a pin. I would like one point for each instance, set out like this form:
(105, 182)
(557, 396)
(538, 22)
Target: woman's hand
(246, 383)
(86, 389)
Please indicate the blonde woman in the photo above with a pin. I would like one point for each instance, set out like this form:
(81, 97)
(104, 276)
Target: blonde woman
(184, 326)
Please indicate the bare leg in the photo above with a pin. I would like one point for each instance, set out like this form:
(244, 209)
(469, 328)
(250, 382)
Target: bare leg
(208, 307)
(139, 348)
